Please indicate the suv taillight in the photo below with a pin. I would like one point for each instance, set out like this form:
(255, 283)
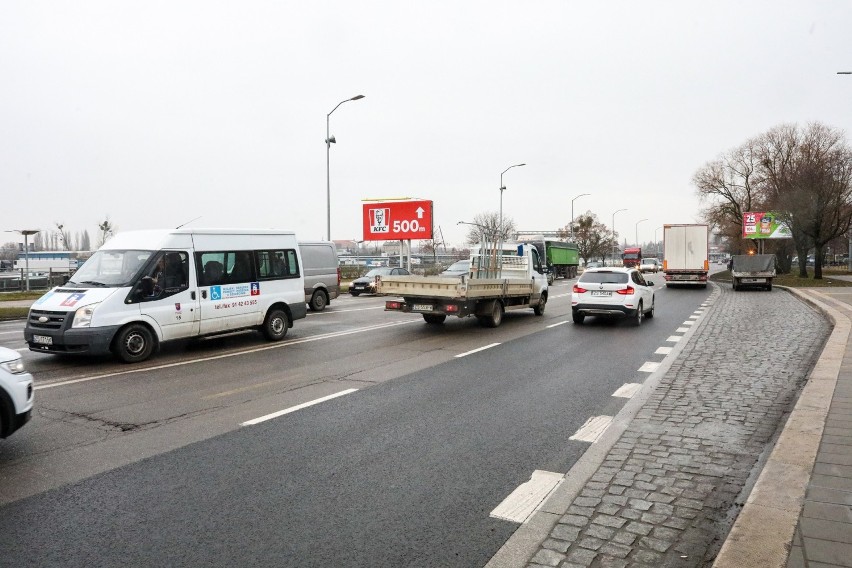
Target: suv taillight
(577, 290)
(629, 291)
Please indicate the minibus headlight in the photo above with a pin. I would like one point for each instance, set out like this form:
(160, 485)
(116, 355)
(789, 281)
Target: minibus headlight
(83, 316)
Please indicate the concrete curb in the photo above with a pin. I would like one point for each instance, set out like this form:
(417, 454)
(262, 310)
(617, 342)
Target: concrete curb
(524, 542)
(763, 532)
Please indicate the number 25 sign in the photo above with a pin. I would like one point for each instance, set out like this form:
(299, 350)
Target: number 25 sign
(397, 220)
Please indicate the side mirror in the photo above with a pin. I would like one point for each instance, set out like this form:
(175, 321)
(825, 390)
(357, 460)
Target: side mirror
(649, 282)
(147, 286)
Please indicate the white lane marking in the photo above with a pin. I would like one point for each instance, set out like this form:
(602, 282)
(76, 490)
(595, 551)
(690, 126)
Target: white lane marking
(556, 324)
(332, 312)
(694, 317)
(22, 349)
(524, 500)
(592, 429)
(663, 350)
(649, 367)
(682, 330)
(674, 338)
(477, 350)
(223, 356)
(295, 408)
(561, 295)
(627, 390)
(689, 322)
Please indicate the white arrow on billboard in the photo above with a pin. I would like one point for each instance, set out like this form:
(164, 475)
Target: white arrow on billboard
(419, 211)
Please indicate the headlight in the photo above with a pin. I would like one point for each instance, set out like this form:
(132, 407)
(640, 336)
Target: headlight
(83, 316)
(15, 366)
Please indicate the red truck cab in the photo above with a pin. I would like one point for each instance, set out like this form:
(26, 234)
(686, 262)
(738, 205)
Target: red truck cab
(632, 257)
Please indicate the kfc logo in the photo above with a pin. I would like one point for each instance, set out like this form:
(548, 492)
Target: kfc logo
(380, 220)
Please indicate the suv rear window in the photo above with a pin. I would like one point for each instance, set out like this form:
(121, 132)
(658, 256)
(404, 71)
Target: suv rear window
(600, 277)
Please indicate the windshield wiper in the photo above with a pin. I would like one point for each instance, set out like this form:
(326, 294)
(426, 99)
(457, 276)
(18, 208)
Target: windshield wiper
(94, 283)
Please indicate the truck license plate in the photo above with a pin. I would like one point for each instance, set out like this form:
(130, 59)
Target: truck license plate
(601, 293)
(43, 339)
(752, 280)
(422, 307)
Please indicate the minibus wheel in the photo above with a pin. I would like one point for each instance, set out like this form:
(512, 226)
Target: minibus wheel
(276, 324)
(134, 343)
(318, 301)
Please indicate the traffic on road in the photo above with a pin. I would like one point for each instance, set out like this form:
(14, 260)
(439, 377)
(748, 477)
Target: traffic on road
(361, 428)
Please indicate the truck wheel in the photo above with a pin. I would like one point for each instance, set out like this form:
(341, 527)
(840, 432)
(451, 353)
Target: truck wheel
(275, 325)
(578, 318)
(434, 318)
(134, 343)
(495, 317)
(769, 287)
(542, 302)
(318, 301)
(734, 284)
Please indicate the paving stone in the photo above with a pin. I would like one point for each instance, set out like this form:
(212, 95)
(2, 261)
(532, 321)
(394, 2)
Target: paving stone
(639, 528)
(565, 532)
(609, 521)
(582, 556)
(624, 537)
(640, 504)
(547, 557)
(557, 545)
(591, 543)
(616, 550)
(575, 520)
(600, 531)
(655, 543)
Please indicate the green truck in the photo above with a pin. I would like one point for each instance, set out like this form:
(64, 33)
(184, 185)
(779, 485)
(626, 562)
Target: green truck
(562, 258)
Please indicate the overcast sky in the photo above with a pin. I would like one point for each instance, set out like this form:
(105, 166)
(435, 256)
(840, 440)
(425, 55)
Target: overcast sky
(157, 112)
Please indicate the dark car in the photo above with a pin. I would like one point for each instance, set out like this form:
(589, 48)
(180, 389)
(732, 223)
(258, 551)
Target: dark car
(367, 284)
(459, 268)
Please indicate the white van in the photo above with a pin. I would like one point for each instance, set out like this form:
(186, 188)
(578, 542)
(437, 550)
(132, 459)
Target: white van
(321, 269)
(16, 392)
(145, 287)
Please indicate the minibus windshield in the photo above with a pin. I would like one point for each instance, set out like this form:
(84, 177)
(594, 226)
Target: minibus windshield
(111, 268)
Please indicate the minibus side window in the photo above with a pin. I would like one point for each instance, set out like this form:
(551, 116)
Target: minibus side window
(166, 275)
(277, 264)
(224, 267)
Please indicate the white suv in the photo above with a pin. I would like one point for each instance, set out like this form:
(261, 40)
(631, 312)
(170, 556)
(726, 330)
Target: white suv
(612, 292)
(16, 392)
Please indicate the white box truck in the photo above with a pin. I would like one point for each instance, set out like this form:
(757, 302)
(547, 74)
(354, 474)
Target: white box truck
(685, 254)
(146, 287)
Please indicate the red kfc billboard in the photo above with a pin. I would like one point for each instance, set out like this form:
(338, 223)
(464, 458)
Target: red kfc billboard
(397, 220)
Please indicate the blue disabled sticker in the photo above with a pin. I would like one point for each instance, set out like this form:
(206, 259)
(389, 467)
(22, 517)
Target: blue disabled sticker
(215, 292)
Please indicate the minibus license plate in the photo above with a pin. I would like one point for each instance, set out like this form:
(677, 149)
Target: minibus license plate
(601, 293)
(422, 307)
(43, 339)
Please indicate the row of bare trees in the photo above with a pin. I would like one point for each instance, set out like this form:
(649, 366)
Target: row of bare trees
(803, 174)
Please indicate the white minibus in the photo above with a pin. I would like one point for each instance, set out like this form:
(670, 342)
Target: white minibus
(145, 287)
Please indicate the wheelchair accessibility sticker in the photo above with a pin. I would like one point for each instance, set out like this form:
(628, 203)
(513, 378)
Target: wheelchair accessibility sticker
(234, 291)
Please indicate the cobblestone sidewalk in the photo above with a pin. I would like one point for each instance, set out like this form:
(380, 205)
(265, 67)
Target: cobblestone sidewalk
(670, 487)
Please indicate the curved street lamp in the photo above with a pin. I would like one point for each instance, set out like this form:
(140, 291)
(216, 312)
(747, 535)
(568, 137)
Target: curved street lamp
(572, 213)
(614, 241)
(503, 187)
(637, 230)
(329, 140)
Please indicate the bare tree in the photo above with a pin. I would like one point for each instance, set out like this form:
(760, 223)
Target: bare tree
(593, 238)
(809, 174)
(63, 236)
(486, 226)
(107, 230)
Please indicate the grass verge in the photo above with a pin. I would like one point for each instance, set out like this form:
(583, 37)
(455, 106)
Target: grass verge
(13, 313)
(794, 280)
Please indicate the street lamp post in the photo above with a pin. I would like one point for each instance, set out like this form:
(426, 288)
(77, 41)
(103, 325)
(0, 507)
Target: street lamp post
(614, 240)
(572, 213)
(329, 140)
(849, 234)
(637, 230)
(26, 233)
(503, 187)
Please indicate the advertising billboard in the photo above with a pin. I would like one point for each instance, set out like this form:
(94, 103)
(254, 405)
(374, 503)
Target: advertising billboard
(765, 225)
(397, 220)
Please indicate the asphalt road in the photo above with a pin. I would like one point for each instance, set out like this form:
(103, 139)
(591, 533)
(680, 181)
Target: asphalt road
(149, 465)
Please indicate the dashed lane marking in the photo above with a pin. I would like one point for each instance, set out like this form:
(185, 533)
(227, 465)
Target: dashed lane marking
(592, 429)
(556, 324)
(295, 408)
(663, 350)
(689, 322)
(524, 500)
(649, 367)
(466, 353)
(627, 390)
(682, 330)
(674, 338)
